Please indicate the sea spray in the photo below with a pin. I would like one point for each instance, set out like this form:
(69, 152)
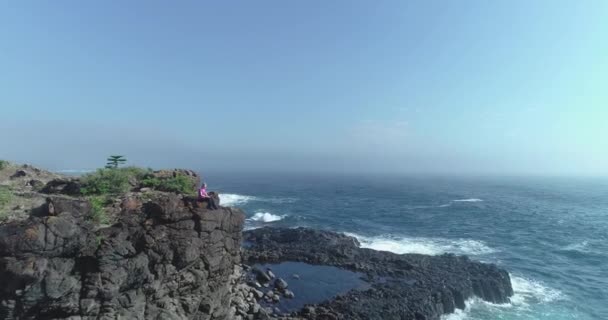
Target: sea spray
(266, 217)
(430, 246)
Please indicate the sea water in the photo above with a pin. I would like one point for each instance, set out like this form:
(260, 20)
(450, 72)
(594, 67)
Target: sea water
(312, 284)
(551, 234)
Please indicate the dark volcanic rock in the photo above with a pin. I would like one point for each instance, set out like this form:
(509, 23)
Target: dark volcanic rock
(409, 286)
(19, 174)
(261, 276)
(69, 186)
(164, 259)
(280, 284)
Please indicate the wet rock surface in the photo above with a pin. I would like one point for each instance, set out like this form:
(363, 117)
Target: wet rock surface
(409, 286)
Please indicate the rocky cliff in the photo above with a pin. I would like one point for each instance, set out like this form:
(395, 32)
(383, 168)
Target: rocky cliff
(163, 257)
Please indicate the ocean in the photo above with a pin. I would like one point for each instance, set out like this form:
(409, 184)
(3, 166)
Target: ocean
(551, 234)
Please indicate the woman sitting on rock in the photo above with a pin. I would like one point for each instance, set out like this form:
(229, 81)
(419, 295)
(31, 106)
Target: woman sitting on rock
(204, 196)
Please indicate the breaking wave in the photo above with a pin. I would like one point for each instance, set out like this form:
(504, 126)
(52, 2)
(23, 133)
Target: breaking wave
(266, 217)
(449, 204)
(231, 199)
(527, 292)
(468, 200)
(430, 246)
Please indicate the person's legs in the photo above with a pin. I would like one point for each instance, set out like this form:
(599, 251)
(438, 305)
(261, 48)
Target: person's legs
(212, 204)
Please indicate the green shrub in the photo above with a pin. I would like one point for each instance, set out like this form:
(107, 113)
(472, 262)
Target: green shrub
(98, 211)
(118, 181)
(3, 164)
(135, 172)
(112, 181)
(150, 182)
(5, 198)
(105, 181)
(179, 184)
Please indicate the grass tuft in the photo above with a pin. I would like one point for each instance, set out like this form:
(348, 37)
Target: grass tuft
(5, 198)
(98, 211)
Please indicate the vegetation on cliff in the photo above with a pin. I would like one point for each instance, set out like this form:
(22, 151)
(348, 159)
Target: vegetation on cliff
(98, 212)
(121, 180)
(5, 199)
(105, 184)
(112, 181)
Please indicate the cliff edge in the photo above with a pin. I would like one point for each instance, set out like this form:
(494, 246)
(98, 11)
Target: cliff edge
(164, 256)
(131, 243)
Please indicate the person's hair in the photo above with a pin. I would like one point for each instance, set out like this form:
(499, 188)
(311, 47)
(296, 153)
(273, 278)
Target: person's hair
(203, 185)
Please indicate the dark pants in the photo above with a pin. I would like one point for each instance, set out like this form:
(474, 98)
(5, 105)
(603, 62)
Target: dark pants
(210, 203)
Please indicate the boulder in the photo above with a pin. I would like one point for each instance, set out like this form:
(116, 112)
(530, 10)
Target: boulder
(280, 284)
(261, 276)
(270, 274)
(35, 184)
(257, 293)
(289, 294)
(19, 174)
(66, 186)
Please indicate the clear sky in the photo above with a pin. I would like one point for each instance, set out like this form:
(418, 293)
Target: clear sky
(460, 87)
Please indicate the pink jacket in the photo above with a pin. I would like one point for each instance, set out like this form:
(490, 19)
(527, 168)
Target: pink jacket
(202, 192)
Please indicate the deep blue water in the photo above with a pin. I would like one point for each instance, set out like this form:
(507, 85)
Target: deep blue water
(551, 234)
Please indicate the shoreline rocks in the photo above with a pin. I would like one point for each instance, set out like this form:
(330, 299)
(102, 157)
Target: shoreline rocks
(409, 286)
(165, 256)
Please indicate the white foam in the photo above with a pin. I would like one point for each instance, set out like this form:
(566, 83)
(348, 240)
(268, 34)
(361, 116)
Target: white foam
(580, 247)
(229, 199)
(430, 246)
(527, 291)
(279, 200)
(468, 200)
(459, 314)
(266, 217)
(250, 227)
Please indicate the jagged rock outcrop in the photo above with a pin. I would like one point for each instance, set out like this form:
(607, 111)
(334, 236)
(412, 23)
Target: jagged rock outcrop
(162, 255)
(165, 257)
(410, 286)
(64, 185)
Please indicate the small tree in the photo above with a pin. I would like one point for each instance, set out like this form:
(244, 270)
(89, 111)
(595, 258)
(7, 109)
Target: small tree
(115, 161)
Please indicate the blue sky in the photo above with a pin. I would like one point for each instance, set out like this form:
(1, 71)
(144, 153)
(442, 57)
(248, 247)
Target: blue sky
(462, 87)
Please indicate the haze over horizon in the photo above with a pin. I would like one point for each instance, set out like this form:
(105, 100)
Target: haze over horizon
(470, 87)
